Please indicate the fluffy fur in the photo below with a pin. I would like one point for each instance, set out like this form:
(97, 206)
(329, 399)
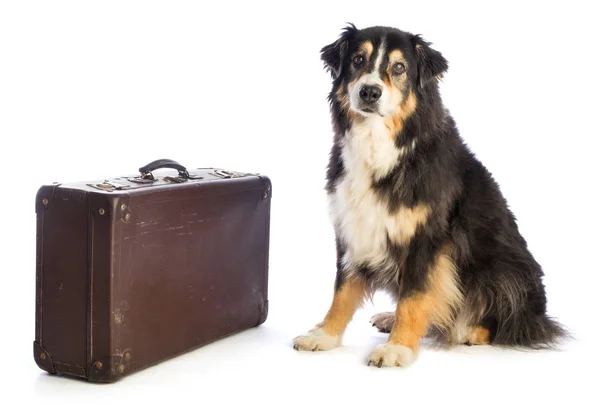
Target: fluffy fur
(415, 213)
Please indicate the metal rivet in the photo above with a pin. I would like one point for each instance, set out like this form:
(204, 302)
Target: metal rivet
(43, 356)
(127, 356)
(45, 201)
(101, 211)
(121, 368)
(98, 365)
(127, 216)
(123, 206)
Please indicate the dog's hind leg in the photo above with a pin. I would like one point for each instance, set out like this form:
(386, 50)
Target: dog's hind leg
(478, 335)
(384, 322)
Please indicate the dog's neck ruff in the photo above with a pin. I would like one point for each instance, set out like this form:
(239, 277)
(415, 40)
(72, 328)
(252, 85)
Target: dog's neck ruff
(370, 148)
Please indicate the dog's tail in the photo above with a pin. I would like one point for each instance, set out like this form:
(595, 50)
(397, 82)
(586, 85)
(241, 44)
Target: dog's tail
(530, 331)
(520, 317)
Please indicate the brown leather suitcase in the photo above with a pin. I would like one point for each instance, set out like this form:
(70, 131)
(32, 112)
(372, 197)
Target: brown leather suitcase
(135, 270)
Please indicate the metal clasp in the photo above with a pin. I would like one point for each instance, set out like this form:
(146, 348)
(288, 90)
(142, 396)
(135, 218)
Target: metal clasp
(228, 174)
(108, 186)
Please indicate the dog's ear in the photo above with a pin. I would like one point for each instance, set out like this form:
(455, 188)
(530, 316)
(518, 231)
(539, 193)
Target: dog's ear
(333, 54)
(430, 62)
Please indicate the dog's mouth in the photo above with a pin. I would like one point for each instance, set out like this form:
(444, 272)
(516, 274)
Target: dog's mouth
(370, 110)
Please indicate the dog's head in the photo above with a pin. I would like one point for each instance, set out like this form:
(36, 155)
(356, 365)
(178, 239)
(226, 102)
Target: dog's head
(379, 70)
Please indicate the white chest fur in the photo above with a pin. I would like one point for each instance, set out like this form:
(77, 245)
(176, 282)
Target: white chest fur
(362, 219)
(370, 148)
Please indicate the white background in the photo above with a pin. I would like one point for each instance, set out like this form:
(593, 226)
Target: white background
(90, 90)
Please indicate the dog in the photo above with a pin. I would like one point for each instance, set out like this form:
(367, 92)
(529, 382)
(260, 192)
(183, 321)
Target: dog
(416, 214)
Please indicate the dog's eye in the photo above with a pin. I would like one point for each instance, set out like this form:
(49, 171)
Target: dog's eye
(398, 68)
(358, 60)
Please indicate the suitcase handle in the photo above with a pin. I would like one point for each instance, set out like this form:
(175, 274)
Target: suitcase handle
(146, 170)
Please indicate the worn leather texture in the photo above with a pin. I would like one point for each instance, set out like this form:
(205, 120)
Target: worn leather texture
(133, 273)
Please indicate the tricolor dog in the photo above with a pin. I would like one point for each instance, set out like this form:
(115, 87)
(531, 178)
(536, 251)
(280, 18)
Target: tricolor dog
(416, 214)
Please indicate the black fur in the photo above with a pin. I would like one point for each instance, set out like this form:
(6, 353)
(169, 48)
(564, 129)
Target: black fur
(495, 267)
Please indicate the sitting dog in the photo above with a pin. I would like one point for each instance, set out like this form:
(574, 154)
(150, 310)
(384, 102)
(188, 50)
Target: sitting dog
(416, 214)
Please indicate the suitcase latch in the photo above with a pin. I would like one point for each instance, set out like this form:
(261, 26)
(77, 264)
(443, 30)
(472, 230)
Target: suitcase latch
(109, 186)
(177, 180)
(228, 174)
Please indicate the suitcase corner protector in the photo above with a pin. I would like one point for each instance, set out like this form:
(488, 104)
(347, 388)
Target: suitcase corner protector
(110, 370)
(43, 358)
(268, 186)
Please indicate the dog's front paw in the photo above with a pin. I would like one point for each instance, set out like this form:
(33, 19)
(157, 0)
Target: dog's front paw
(316, 340)
(391, 355)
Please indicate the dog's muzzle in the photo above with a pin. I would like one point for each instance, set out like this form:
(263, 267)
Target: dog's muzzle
(369, 94)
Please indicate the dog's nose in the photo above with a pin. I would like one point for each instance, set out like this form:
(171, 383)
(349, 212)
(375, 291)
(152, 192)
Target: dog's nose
(370, 93)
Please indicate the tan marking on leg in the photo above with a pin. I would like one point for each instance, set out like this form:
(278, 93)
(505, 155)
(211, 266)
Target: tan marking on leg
(478, 336)
(403, 224)
(412, 318)
(328, 333)
(345, 303)
(415, 314)
(471, 311)
(444, 289)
